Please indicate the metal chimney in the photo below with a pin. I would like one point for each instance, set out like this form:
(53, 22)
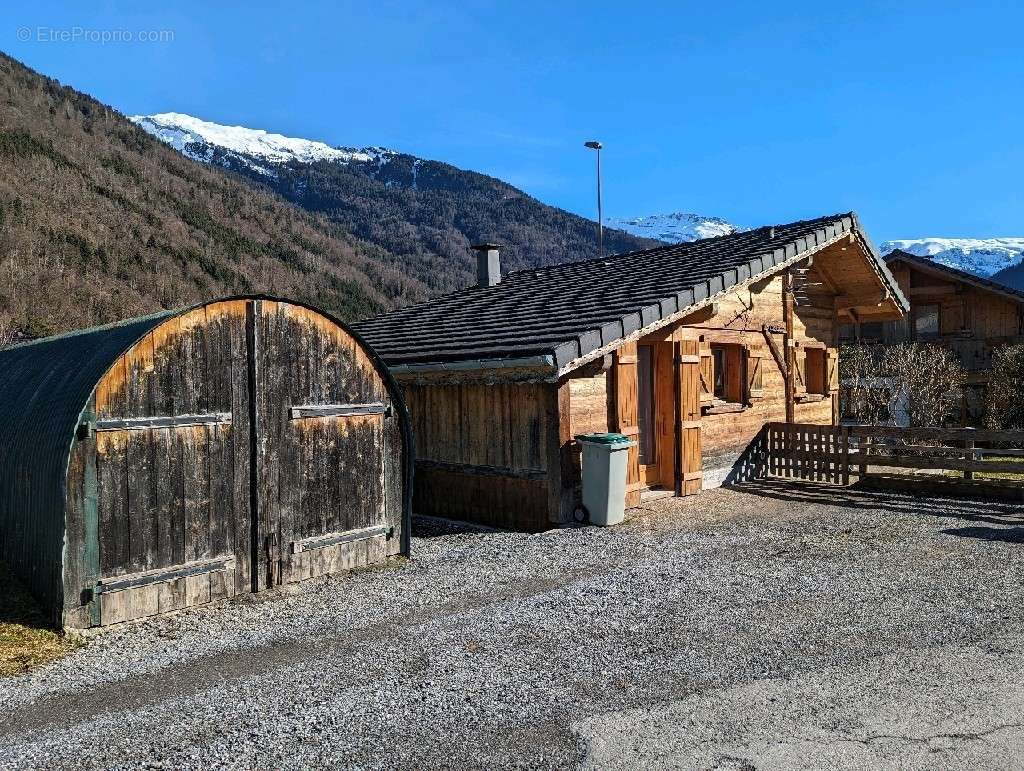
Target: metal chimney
(488, 264)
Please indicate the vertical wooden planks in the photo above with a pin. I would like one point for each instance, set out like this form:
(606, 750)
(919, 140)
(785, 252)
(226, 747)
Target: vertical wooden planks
(689, 455)
(665, 408)
(141, 522)
(112, 478)
(624, 413)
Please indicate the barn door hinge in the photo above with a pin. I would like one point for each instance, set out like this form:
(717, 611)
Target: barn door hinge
(85, 430)
(338, 410)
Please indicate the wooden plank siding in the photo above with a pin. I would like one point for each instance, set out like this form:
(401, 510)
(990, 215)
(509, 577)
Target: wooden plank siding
(164, 492)
(490, 453)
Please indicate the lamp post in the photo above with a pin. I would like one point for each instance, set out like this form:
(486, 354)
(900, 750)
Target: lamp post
(593, 144)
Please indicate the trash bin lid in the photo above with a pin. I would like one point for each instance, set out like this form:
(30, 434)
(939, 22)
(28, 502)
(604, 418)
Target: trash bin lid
(603, 438)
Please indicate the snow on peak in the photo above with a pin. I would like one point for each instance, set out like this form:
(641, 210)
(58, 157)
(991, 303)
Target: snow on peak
(198, 139)
(675, 227)
(981, 256)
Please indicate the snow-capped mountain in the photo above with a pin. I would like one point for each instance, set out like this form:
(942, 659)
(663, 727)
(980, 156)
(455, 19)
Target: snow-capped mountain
(423, 213)
(983, 257)
(258, 149)
(673, 228)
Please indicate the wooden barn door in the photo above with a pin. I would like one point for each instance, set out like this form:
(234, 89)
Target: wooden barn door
(322, 415)
(167, 496)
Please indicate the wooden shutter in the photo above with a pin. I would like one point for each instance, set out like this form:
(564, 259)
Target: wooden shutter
(707, 373)
(624, 415)
(689, 462)
(755, 378)
(799, 372)
(832, 368)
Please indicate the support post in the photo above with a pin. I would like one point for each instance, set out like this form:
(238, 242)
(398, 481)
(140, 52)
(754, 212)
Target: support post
(844, 439)
(787, 345)
(968, 456)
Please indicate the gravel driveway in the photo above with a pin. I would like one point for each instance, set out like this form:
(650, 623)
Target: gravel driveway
(781, 626)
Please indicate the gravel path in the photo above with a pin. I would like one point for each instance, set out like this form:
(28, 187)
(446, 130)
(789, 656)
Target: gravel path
(783, 626)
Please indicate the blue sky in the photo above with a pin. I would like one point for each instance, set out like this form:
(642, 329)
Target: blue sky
(910, 113)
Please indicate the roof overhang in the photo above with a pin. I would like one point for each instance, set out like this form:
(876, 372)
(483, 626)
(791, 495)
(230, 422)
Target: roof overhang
(939, 270)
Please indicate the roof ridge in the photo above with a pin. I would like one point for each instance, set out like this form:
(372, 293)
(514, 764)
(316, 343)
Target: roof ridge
(680, 244)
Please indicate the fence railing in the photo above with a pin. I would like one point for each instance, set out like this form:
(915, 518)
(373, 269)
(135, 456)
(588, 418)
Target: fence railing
(833, 453)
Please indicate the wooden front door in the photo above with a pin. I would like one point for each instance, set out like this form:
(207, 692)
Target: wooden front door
(656, 414)
(646, 409)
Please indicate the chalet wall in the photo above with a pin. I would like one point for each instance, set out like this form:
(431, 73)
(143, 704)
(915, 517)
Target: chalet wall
(489, 453)
(740, 319)
(588, 405)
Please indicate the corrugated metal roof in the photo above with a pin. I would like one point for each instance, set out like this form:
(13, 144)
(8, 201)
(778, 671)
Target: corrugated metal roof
(569, 310)
(44, 387)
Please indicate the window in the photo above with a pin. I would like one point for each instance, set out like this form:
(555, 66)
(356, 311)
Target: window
(728, 372)
(926, 320)
(718, 352)
(815, 371)
(645, 401)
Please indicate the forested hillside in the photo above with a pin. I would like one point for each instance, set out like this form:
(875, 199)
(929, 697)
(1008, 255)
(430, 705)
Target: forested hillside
(100, 221)
(425, 214)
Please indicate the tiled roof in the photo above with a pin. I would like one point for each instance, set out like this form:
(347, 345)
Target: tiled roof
(567, 311)
(955, 273)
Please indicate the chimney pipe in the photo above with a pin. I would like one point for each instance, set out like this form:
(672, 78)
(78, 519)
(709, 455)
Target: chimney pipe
(488, 264)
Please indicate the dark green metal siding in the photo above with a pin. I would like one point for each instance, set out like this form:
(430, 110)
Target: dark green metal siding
(44, 386)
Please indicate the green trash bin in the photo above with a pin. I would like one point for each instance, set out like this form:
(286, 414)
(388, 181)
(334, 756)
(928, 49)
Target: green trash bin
(604, 476)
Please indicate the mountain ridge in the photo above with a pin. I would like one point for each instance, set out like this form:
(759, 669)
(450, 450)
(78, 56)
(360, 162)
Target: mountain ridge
(99, 222)
(984, 257)
(674, 227)
(425, 214)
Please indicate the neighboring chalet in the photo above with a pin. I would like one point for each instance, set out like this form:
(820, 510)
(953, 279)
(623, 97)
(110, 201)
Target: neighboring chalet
(971, 316)
(689, 349)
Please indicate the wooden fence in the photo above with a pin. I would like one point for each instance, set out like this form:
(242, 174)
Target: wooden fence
(833, 453)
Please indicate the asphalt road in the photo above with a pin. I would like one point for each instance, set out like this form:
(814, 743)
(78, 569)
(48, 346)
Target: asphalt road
(781, 627)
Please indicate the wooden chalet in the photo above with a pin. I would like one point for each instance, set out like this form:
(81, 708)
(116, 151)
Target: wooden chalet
(969, 315)
(689, 348)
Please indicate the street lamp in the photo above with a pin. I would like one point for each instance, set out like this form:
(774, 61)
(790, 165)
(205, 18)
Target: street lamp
(593, 144)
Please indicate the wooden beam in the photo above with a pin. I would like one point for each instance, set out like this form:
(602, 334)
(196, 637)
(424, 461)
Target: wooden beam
(844, 301)
(780, 360)
(787, 345)
(933, 291)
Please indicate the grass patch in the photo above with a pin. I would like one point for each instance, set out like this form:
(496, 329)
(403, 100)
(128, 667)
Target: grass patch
(1010, 475)
(26, 638)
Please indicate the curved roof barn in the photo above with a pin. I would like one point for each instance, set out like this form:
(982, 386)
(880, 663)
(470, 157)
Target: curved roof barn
(130, 450)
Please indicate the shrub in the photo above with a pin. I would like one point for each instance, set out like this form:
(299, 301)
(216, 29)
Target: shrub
(1004, 408)
(916, 384)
